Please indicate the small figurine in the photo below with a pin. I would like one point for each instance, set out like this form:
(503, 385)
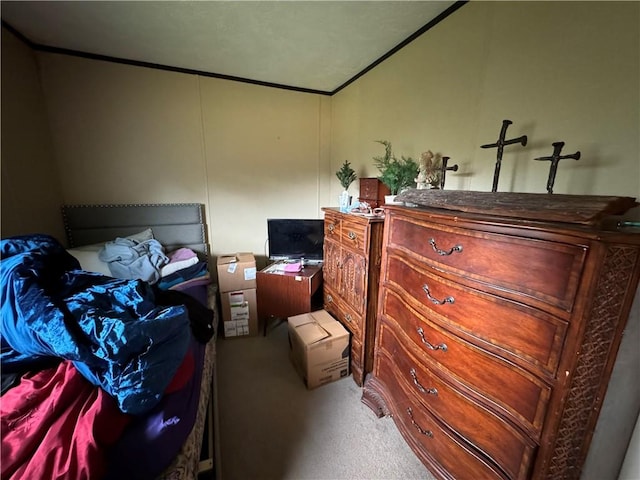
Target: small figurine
(428, 171)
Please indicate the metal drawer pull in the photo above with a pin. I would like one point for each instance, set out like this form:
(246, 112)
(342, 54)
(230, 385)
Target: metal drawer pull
(428, 433)
(442, 346)
(352, 236)
(329, 298)
(449, 299)
(331, 227)
(457, 248)
(432, 391)
(348, 318)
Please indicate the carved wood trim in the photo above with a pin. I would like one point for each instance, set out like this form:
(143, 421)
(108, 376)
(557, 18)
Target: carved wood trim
(584, 402)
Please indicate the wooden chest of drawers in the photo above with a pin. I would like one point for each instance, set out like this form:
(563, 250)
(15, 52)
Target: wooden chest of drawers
(351, 269)
(495, 339)
(373, 191)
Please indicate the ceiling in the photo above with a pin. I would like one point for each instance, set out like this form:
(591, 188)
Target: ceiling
(315, 46)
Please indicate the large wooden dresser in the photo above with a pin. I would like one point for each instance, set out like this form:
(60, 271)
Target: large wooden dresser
(496, 338)
(351, 270)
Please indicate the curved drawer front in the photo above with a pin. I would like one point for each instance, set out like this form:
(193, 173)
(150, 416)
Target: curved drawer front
(512, 390)
(355, 236)
(493, 436)
(524, 332)
(540, 270)
(440, 448)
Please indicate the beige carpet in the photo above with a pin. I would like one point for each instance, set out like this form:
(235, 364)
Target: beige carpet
(272, 427)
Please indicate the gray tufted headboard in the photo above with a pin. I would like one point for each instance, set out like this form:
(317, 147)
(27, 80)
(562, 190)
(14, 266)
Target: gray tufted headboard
(174, 224)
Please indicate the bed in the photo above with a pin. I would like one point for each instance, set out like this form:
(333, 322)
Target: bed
(108, 377)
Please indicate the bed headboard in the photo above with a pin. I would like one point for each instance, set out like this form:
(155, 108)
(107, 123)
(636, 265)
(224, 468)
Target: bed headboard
(174, 225)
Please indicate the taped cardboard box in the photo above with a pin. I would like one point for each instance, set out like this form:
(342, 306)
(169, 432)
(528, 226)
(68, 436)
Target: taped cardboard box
(319, 348)
(236, 271)
(240, 313)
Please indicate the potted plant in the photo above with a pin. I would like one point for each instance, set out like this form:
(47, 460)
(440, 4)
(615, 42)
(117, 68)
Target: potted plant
(397, 174)
(347, 176)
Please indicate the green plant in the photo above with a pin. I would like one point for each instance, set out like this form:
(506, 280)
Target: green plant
(397, 174)
(346, 175)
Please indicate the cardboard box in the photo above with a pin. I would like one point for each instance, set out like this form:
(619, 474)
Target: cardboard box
(319, 348)
(236, 271)
(240, 313)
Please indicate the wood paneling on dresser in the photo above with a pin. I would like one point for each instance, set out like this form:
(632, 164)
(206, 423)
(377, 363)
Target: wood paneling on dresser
(496, 337)
(351, 269)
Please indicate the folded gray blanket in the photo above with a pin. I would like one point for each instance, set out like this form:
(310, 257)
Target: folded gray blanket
(130, 259)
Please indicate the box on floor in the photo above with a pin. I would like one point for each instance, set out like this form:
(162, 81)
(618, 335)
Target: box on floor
(319, 348)
(240, 313)
(237, 286)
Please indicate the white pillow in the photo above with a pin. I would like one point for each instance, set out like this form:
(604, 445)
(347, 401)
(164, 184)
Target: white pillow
(87, 255)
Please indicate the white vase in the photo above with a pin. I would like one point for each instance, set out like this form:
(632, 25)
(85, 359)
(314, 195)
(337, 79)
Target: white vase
(391, 200)
(344, 201)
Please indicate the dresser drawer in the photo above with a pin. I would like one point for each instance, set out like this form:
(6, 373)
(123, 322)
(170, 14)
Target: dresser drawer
(525, 333)
(354, 235)
(510, 389)
(332, 224)
(441, 449)
(492, 435)
(533, 270)
(336, 306)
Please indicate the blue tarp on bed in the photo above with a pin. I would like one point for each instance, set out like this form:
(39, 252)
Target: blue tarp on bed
(112, 329)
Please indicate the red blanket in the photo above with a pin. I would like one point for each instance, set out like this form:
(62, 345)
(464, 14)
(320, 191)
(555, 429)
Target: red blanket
(41, 414)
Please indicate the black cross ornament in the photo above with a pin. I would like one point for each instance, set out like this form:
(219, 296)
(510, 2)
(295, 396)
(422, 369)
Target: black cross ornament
(444, 168)
(555, 159)
(501, 143)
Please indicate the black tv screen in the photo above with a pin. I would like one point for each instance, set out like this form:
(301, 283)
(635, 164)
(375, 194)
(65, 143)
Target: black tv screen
(293, 239)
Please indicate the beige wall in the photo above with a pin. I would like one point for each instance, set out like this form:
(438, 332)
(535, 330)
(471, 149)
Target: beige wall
(126, 134)
(561, 71)
(266, 156)
(31, 195)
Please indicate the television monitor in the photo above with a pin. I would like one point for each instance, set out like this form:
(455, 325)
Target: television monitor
(295, 239)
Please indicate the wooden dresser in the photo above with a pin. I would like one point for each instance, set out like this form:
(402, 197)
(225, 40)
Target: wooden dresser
(351, 270)
(496, 338)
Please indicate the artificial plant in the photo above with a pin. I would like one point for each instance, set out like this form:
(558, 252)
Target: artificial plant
(397, 174)
(346, 175)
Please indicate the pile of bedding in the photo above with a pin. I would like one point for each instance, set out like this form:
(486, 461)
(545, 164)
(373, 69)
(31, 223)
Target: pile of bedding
(142, 257)
(91, 363)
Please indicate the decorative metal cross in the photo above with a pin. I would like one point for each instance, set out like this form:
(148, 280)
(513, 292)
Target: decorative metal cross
(555, 159)
(444, 168)
(501, 143)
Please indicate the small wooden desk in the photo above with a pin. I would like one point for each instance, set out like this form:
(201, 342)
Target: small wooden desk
(285, 294)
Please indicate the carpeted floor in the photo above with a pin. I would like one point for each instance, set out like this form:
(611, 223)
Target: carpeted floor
(272, 427)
